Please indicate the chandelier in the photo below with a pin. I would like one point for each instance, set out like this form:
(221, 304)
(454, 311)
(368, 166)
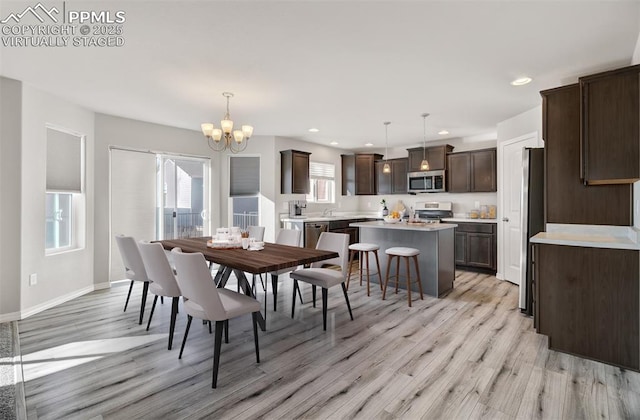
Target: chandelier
(424, 165)
(220, 139)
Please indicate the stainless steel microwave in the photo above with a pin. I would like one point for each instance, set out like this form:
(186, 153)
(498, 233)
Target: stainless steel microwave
(423, 182)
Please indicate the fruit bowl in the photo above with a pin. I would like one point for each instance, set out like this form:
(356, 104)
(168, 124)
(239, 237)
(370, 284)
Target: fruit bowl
(389, 219)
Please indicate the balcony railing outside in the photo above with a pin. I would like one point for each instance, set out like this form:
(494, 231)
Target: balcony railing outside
(189, 225)
(246, 219)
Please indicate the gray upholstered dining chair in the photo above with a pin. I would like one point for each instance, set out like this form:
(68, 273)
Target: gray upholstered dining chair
(325, 278)
(203, 300)
(289, 237)
(163, 280)
(134, 268)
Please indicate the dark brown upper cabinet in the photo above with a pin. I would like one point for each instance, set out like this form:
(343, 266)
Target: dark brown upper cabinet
(610, 126)
(567, 199)
(358, 173)
(394, 182)
(294, 172)
(473, 171)
(436, 156)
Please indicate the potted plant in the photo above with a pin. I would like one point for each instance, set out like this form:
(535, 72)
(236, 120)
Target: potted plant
(384, 210)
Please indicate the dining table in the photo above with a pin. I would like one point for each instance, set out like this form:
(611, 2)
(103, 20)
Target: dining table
(272, 257)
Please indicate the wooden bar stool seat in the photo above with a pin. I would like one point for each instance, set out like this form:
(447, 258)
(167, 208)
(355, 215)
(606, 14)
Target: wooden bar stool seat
(363, 250)
(405, 253)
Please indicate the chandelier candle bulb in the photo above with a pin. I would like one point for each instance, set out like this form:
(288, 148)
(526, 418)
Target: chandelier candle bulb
(234, 140)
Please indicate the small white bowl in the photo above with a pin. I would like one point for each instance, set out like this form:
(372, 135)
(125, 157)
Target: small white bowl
(388, 219)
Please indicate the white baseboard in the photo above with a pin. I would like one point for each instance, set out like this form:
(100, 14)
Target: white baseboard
(499, 276)
(59, 300)
(11, 316)
(101, 286)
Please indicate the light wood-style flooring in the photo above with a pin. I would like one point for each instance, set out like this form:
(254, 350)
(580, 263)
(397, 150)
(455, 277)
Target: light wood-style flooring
(468, 355)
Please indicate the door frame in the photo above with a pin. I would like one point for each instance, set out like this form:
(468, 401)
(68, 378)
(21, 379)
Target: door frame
(501, 195)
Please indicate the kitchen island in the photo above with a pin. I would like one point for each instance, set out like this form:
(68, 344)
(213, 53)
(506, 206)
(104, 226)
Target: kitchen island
(435, 242)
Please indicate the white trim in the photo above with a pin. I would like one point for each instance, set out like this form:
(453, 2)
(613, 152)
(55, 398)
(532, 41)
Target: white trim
(55, 302)
(102, 286)
(11, 316)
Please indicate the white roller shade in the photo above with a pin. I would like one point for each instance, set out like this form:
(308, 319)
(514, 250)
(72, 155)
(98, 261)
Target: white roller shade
(64, 161)
(244, 176)
(320, 170)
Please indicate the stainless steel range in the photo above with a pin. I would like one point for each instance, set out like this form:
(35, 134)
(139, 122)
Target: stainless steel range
(432, 211)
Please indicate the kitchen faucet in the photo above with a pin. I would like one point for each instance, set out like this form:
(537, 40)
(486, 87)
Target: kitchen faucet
(327, 211)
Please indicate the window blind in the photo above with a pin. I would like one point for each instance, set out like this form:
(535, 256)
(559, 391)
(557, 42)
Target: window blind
(244, 176)
(320, 170)
(64, 162)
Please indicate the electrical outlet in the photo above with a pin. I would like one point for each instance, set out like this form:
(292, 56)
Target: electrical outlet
(33, 279)
(369, 204)
(339, 205)
(476, 204)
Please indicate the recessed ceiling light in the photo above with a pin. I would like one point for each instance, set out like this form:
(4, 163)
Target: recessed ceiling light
(368, 144)
(334, 143)
(520, 81)
(313, 130)
(443, 132)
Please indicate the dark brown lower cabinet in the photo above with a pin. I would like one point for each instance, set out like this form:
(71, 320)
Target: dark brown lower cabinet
(587, 302)
(476, 245)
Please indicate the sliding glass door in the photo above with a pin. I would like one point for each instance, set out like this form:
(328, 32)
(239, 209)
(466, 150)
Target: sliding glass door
(183, 199)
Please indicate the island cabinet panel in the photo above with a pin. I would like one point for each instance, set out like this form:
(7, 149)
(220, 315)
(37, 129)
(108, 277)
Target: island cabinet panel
(294, 173)
(586, 301)
(436, 156)
(611, 126)
(358, 174)
(567, 199)
(394, 182)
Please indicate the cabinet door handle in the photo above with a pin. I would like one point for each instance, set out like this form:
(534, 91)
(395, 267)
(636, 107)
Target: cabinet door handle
(505, 219)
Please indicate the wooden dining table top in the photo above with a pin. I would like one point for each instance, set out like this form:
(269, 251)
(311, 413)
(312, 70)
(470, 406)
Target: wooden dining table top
(272, 258)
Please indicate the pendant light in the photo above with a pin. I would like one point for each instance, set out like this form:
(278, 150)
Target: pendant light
(386, 169)
(424, 165)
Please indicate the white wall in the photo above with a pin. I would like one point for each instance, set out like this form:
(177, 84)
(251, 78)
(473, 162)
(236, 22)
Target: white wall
(60, 276)
(10, 205)
(127, 133)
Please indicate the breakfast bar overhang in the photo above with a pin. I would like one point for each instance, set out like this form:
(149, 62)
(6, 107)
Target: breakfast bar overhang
(436, 245)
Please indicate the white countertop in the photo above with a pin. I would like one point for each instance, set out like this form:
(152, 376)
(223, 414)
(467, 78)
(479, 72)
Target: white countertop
(428, 227)
(467, 220)
(312, 218)
(591, 236)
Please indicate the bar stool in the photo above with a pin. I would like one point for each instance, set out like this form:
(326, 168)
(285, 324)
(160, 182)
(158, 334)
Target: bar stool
(363, 250)
(405, 253)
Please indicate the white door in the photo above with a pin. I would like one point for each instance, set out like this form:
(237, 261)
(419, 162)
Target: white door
(510, 188)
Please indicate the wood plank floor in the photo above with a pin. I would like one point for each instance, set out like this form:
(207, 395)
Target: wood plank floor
(468, 355)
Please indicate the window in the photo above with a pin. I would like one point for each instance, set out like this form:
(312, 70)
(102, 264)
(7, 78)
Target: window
(321, 182)
(244, 190)
(64, 200)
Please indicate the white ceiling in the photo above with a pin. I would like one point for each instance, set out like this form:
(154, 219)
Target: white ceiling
(343, 67)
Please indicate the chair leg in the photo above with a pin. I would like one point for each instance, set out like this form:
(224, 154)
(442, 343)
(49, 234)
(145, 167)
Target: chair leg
(397, 272)
(346, 297)
(368, 273)
(293, 302)
(254, 315)
(408, 281)
(145, 290)
(174, 314)
(226, 331)
(300, 296)
(216, 352)
(210, 332)
(360, 263)
(186, 333)
(153, 307)
(313, 294)
(162, 300)
(325, 298)
(353, 254)
(128, 296)
(378, 265)
(386, 279)
(274, 288)
(415, 260)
